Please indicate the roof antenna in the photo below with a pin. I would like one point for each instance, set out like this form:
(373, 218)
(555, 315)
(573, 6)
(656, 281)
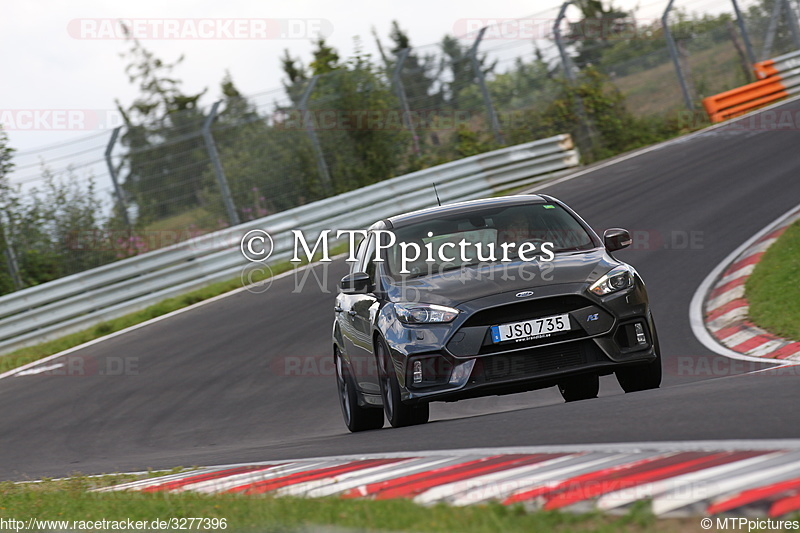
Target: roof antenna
(437, 195)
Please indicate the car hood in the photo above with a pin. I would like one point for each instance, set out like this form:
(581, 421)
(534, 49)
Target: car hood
(469, 283)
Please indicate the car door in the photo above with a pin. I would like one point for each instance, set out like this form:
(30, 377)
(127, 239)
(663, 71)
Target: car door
(362, 310)
(344, 308)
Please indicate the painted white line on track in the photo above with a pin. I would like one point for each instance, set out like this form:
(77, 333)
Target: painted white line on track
(738, 338)
(485, 482)
(404, 469)
(676, 485)
(215, 485)
(140, 483)
(759, 248)
(767, 348)
(726, 298)
(39, 370)
(292, 468)
(702, 488)
(770, 369)
(553, 479)
(723, 321)
(348, 480)
(744, 271)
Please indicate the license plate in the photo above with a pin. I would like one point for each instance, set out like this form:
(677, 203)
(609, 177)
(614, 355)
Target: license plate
(530, 329)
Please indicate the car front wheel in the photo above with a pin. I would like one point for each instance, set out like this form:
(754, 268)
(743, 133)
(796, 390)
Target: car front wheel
(641, 377)
(637, 378)
(397, 413)
(356, 418)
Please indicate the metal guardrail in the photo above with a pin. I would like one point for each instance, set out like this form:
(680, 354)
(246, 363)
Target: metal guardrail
(79, 301)
(777, 65)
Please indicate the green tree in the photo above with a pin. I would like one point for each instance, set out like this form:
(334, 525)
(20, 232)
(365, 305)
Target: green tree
(326, 58)
(599, 28)
(418, 74)
(619, 130)
(166, 157)
(269, 164)
(295, 72)
(6, 166)
(362, 137)
(758, 17)
(460, 91)
(417, 77)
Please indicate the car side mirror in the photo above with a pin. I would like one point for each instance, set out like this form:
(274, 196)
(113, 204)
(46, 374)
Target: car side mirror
(355, 283)
(616, 239)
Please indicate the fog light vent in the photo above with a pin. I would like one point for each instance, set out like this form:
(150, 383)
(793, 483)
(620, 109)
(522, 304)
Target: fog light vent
(417, 371)
(641, 338)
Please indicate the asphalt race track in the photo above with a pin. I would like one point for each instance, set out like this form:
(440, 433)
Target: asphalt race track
(236, 380)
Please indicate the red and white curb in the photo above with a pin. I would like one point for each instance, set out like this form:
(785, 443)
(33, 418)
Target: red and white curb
(725, 308)
(678, 479)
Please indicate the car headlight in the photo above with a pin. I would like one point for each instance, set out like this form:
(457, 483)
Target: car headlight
(416, 313)
(616, 279)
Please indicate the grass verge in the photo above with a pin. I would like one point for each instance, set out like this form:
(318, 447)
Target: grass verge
(773, 290)
(71, 500)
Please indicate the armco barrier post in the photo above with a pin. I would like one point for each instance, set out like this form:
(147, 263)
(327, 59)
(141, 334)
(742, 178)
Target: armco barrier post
(588, 140)
(673, 52)
(123, 205)
(745, 36)
(322, 167)
(772, 28)
(397, 81)
(487, 99)
(211, 147)
(791, 16)
(11, 258)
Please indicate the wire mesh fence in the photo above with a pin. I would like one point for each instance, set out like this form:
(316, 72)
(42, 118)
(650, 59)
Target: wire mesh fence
(614, 83)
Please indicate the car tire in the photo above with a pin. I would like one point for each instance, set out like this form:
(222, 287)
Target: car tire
(641, 377)
(637, 378)
(397, 413)
(356, 418)
(581, 387)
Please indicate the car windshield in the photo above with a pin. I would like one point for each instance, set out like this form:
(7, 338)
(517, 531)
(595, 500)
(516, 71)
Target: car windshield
(485, 236)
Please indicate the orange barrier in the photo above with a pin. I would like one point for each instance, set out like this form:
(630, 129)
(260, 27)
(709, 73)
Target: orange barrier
(738, 101)
(765, 69)
(777, 65)
(778, 77)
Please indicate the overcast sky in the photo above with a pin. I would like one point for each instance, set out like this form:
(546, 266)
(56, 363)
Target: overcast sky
(59, 55)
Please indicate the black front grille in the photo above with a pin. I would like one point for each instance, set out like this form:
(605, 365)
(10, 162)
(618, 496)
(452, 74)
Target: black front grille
(526, 310)
(538, 360)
